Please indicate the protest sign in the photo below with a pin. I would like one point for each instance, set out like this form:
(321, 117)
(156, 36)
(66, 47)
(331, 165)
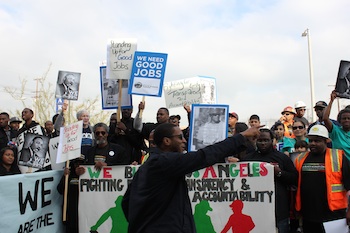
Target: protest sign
(120, 56)
(32, 146)
(196, 90)
(70, 142)
(211, 190)
(342, 86)
(209, 125)
(53, 149)
(110, 92)
(67, 86)
(31, 203)
(147, 75)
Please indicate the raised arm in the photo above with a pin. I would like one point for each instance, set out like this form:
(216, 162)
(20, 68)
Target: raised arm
(327, 122)
(138, 120)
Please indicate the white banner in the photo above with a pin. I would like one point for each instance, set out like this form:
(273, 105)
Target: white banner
(31, 203)
(196, 90)
(213, 192)
(70, 142)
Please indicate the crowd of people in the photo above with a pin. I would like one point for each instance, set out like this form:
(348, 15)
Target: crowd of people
(310, 159)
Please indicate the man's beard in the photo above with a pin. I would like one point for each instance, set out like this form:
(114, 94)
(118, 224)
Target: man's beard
(101, 141)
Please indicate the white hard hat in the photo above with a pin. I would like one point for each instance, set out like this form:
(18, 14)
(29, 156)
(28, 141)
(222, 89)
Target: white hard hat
(299, 104)
(318, 130)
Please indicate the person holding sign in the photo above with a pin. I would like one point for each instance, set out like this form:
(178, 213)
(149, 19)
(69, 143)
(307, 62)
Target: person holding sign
(338, 134)
(146, 128)
(157, 199)
(105, 153)
(285, 175)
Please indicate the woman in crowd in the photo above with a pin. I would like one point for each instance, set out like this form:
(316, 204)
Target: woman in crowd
(8, 162)
(299, 131)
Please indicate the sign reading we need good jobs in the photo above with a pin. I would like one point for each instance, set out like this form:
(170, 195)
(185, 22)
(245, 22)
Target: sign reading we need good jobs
(147, 74)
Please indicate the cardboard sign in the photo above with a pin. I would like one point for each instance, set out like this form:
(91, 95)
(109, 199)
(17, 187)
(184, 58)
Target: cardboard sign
(120, 56)
(196, 90)
(70, 142)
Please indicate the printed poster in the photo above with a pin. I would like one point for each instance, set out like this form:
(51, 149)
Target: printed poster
(214, 193)
(148, 73)
(342, 86)
(33, 153)
(120, 56)
(67, 86)
(110, 91)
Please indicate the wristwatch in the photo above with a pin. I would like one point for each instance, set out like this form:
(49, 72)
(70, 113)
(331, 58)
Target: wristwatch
(279, 174)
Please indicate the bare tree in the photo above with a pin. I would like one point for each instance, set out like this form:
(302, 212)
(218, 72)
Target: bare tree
(44, 102)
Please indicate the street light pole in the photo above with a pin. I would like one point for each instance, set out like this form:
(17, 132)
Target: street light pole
(307, 34)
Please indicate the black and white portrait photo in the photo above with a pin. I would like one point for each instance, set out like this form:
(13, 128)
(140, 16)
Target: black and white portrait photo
(342, 86)
(34, 151)
(110, 91)
(208, 125)
(68, 85)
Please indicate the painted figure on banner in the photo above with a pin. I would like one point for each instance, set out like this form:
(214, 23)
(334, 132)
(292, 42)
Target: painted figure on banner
(238, 221)
(201, 219)
(119, 222)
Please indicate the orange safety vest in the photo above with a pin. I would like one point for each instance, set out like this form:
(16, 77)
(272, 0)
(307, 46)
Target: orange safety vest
(336, 194)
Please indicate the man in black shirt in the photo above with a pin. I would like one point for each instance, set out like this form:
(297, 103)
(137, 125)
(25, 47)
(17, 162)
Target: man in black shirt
(105, 153)
(157, 199)
(285, 176)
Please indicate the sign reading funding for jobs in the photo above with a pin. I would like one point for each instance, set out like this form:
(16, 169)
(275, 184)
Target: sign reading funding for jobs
(219, 195)
(147, 74)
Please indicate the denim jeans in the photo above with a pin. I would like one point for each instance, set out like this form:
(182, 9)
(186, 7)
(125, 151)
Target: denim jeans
(283, 226)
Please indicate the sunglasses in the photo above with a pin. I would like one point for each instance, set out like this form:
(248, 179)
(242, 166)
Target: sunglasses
(100, 133)
(286, 113)
(180, 136)
(297, 127)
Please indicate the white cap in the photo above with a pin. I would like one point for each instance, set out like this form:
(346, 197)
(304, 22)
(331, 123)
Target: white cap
(318, 130)
(299, 104)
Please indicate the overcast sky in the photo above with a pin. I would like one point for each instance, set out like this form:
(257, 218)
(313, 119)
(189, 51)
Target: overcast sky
(253, 48)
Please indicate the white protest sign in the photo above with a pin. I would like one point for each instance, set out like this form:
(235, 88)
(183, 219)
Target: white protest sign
(31, 203)
(196, 90)
(120, 56)
(53, 149)
(70, 142)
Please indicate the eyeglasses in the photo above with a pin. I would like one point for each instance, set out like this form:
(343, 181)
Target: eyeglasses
(286, 113)
(100, 132)
(297, 127)
(180, 136)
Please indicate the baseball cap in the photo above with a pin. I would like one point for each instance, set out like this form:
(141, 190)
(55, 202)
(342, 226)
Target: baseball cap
(321, 104)
(15, 119)
(318, 130)
(233, 114)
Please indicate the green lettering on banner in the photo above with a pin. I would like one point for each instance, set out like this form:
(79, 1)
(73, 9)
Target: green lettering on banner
(94, 174)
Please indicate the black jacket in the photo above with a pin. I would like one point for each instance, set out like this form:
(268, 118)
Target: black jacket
(157, 199)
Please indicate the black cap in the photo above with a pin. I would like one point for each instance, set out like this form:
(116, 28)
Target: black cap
(321, 104)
